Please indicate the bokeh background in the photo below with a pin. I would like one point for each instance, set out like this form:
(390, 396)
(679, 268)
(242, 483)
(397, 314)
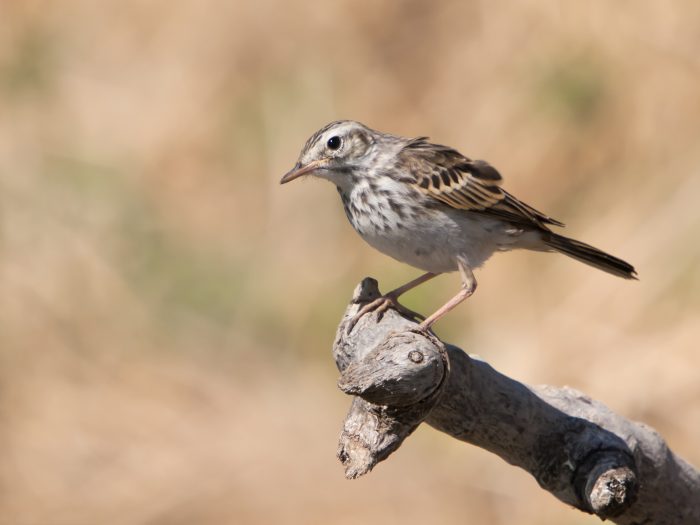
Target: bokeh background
(167, 309)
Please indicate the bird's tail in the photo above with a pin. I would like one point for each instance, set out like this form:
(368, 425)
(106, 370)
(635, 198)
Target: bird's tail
(590, 255)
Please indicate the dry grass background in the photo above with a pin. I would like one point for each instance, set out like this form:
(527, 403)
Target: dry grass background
(167, 309)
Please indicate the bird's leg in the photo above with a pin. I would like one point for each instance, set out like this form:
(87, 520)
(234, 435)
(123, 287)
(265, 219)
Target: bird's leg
(468, 287)
(391, 300)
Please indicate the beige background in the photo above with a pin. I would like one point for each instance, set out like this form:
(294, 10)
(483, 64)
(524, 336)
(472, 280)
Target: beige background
(167, 309)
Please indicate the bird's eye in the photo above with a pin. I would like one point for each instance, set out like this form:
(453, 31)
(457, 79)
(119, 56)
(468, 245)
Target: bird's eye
(334, 142)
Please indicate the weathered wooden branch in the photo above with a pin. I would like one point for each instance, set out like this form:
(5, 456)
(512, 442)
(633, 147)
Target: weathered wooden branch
(575, 447)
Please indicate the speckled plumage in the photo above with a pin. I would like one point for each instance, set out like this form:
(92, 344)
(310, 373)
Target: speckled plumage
(430, 206)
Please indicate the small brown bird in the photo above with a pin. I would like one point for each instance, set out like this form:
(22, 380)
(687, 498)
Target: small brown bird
(429, 206)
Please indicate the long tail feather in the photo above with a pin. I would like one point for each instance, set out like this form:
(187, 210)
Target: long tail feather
(590, 255)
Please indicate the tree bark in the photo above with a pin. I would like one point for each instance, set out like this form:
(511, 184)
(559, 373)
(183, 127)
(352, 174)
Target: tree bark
(576, 448)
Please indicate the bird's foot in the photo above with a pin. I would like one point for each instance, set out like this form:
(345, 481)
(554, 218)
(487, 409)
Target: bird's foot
(381, 305)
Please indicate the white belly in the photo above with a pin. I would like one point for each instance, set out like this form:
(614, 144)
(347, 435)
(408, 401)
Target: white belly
(435, 246)
(432, 239)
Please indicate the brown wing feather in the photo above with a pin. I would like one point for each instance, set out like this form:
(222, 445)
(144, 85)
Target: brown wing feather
(472, 185)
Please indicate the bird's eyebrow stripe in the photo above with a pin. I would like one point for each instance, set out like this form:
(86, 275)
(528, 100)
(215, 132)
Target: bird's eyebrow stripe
(316, 136)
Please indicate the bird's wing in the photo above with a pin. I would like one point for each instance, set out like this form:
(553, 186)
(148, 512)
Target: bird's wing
(447, 176)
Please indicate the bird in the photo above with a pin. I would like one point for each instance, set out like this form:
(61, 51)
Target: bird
(430, 206)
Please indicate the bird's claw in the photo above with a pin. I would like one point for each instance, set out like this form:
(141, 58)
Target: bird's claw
(381, 305)
(424, 328)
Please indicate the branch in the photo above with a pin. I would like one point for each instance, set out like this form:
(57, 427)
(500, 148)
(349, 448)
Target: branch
(576, 448)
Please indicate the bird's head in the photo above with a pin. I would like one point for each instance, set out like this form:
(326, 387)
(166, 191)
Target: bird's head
(337, 152)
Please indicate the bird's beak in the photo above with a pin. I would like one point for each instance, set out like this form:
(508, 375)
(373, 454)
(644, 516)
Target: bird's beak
(299, 170)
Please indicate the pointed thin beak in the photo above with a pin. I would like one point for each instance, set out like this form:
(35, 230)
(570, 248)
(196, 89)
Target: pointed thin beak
(299, 170)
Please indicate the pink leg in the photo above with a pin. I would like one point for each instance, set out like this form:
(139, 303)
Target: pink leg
(390, 300)
(468, 287)
(411, 285)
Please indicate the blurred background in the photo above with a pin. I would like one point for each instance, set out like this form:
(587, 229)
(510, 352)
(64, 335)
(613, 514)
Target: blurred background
(167, 309)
